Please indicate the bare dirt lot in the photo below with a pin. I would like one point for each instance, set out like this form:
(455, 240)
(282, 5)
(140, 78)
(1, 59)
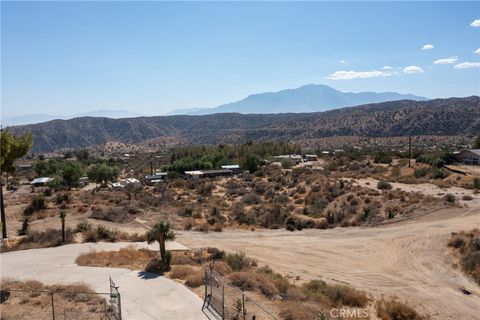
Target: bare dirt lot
(408, 260)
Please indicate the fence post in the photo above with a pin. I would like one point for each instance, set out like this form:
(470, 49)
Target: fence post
(119, 306)
(53, 307)
(223, 301)
(243, 306)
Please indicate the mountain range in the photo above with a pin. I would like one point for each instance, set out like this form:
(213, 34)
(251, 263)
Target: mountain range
(36, 118)
(308, 98)
(449, 117)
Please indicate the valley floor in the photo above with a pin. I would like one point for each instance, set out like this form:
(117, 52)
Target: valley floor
(408, 260)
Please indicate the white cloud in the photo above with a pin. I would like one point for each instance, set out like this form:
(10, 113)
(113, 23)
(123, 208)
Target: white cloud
(343, 61)
(475, 23)
(349, 75)
(467, 65)
(449, 60)
(427, 47)
(413, 69)
(387, 68)
(477, 51)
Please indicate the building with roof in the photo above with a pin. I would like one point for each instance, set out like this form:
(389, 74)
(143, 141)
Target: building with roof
(469, 157)
(41, 181)
(235, 168)
(311, 157)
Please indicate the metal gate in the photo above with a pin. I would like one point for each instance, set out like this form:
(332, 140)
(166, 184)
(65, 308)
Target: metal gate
(224, 301)
(115, 301)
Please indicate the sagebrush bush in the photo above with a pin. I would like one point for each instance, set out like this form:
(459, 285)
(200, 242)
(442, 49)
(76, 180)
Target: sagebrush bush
(395, 310)
(181, 272)
(384, 185)
(238, 261)
(196, 279)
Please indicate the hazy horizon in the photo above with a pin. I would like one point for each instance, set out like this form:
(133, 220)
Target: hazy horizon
(63, 58)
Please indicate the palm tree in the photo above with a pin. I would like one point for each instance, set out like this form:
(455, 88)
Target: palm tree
(160, 232)
(62, 217)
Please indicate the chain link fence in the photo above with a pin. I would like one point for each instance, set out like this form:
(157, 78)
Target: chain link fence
(226, 302)
(24, 304)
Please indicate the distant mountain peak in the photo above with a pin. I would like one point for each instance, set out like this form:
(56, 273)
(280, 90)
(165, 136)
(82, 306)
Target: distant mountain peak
(307, 98)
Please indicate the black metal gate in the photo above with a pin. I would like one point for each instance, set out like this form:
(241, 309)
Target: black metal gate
(115, 300)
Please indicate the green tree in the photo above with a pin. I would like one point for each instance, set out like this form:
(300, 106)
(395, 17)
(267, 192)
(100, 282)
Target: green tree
(101, 173)
(11, 148)
(62, 217)
(71, 173)
(82, 154)
(161, 232)
(251, 163)
(476, 143)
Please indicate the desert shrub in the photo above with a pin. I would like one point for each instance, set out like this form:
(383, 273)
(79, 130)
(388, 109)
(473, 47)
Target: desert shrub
(83, 226)
(61, 198)
(195, 280)
(471, 261)
(395, 310)
(251, 198)
(294, 310)
(38, 203)
(221, 267)
(342, 295)
(41, 239)
(420, 172)
(103, 233)
(215, 253)
(186, 212)
(467, 198)
(456, 241)
(90, 236)
(437, 173)
(181, 272)
(476, 183)
(286, 163)
(243, 280)
(238, 261)
(384, 185)
(182, 258)
(450, 198)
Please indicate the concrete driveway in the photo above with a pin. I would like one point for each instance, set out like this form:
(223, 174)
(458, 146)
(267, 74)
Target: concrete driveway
(144, 295)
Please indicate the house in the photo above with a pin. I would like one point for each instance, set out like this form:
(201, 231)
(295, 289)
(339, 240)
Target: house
(311, 157)
(156, 178)
(83, 181)
(235, 168)
(24, 167)
(195, 174)
(295, 158)
(216, 173)
(469, 157)
(126, 183)
(40, 181)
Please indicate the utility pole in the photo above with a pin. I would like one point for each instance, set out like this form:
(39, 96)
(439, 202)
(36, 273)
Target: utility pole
(2, 206)
(409, 150)
(4, 221)
(151, 168)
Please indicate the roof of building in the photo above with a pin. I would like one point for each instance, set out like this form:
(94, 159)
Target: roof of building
(41, 180)
(231, 166)
(311, 155)
(194, 173)
(475, 151)
(213, 171)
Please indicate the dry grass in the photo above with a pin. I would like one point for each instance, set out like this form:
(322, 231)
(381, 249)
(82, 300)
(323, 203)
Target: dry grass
(78, 301)
(196, 279)
(181, 272)
(396, 310)
(39, 239)
(129, 258)
(467, 246)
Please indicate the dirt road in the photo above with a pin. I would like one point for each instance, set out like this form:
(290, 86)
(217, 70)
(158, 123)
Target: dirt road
(408, 260)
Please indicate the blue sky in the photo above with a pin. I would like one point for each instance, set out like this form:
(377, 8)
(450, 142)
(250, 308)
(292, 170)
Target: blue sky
(153, 57)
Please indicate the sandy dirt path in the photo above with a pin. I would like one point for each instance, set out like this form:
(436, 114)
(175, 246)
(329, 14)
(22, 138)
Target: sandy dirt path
(408, 260)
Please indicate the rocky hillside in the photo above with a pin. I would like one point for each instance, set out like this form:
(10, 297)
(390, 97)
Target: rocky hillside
(454, 116)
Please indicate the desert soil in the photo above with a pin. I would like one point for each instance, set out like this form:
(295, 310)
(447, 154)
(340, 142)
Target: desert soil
(408, 260)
